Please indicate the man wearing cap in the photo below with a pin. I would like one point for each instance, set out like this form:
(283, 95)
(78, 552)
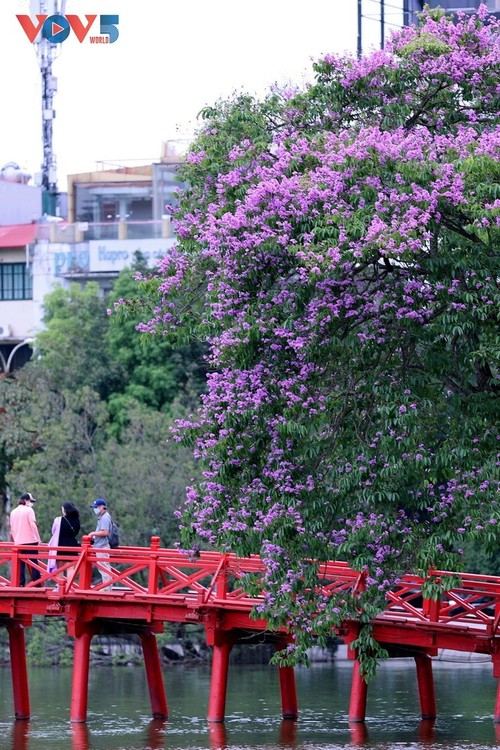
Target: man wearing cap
(100, 536)
(24, 533)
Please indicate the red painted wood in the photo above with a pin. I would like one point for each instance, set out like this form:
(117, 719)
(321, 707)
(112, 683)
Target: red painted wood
(288, 690)
(154, 675)
(426, 686)
(289, 703)
(359, 691)
(496, 714)
(218, 682)
(151, 586)
(20, 686)
(80, 682)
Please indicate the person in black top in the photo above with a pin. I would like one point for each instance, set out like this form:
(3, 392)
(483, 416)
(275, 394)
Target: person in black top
(69, 529)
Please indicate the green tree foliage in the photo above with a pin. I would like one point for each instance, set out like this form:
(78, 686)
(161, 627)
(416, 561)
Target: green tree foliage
(342, 262)
(57, 457)
(79, 420)
(152, 473)
(72, 346)
(48, 643)
(156, 373)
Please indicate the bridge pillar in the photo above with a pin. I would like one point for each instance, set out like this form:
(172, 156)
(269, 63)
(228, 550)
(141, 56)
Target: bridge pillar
(154, 675)
(80, 682)
(495, 658)
(289, 703)
(223, 643)
(359, 691)
(496, 715)
(20, 686)
(426, 686)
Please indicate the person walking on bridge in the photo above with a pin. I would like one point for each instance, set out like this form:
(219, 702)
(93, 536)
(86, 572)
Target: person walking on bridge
(100, 536)
(24, 533)
(65, 530)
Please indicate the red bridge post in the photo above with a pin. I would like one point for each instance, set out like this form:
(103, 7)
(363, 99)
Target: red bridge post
(86, 566)
(289, 703)
(15, 568)
(359, 691)
(222, 645)
(80, 682)
(426, 686)
(154, 675)
(20, 686)
(153, 565)
(496, 673)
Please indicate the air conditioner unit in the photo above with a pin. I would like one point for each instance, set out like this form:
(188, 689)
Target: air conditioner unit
(4, 330)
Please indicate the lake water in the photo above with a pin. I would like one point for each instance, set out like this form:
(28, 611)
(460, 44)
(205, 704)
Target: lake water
(119, 710)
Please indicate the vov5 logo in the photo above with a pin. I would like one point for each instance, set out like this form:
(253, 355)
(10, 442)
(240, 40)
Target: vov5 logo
(57, 28)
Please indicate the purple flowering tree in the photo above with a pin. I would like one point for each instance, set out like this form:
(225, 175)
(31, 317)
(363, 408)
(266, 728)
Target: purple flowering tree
(338, 252)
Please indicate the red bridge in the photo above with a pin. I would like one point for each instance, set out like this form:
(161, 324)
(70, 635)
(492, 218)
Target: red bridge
(152, 586)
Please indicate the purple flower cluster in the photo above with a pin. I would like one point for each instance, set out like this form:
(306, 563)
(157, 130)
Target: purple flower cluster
(345, 276)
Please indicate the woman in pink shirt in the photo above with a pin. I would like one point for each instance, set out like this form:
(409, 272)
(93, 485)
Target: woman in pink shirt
(24, 533)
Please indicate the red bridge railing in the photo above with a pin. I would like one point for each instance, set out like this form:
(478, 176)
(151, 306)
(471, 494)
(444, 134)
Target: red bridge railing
(214, 579)
(151, 586)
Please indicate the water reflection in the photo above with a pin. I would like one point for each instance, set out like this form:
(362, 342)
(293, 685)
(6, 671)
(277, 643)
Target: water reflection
(358, 732)
(218, 736)
(155, 735)
(253, 718)
(427, 731)
(288, 733)
(80, 737)
(20, 735)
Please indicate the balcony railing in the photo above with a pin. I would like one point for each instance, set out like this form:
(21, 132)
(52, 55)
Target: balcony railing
(64, 232)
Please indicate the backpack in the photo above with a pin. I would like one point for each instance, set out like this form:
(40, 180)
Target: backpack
(114, 535)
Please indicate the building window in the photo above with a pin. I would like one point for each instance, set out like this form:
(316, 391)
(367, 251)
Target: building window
(15, 281)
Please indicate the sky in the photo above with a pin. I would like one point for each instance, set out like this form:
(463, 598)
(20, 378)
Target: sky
(119, 102)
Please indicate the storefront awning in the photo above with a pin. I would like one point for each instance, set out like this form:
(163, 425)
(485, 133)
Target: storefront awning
(17, 235)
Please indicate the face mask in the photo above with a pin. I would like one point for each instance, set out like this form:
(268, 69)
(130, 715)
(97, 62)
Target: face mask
(96, 511)
(29, 504)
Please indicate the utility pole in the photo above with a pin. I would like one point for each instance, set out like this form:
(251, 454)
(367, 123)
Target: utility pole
(46, 52)
(382, 24)
(360, 28)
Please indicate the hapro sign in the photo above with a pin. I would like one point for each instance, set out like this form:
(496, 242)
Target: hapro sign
(119, 254)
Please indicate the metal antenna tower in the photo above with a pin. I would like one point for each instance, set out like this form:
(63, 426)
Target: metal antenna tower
(46, 53)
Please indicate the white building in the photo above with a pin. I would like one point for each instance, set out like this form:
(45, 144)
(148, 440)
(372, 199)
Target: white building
(112, 214)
